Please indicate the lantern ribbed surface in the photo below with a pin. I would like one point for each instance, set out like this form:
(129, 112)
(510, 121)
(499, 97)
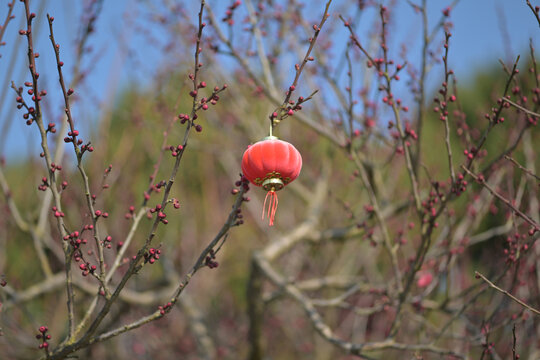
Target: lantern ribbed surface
(271, 164)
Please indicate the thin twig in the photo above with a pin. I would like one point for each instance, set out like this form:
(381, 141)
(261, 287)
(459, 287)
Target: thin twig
(36, 115)
(503, 199)
(6, 21)
(135, 264)
(514, 340)
(444, 109)
(537, 312)
(383, 71)
(534, 12)
(527, 111)
(230, 222)
(73, 136)
(326, 332)
(319, 128)
(300, 67)
(524, 169)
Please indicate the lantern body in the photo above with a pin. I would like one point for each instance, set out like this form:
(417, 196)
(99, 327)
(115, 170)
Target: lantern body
(271, 163)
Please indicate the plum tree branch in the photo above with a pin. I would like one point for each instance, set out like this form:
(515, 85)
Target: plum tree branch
(528, 307)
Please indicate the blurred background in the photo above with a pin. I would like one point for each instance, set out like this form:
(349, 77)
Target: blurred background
(130, 76)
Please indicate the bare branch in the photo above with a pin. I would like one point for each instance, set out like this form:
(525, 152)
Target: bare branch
(534, 11)
(507, 202)
(537, 312)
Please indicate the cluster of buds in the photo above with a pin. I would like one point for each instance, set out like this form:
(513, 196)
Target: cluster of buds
(489, 346)
(75, 241)
(474, 153)
(86, 268)
(210, 260)
(512, 252)
(151, 255)
(131, 212)
(460, 186)
(432, 200)
(214, 98)
(446, 11)
(242, 184)
(44, 184)
(165, 308)
(395, 76)
(442, 107)
(44, 337)
(156, 187)
(55, 167)
(160, 214)
(495, 115)
(228, 18)
(375, 62)
(183, 118)
(204, 101)
(201, 104)
(31, 111)
(72, 137)
(86, 147)
(175, 151)
(51, 128)
(57, 213)
(409, 131)
(505, 104)
(99, 213)
(368, 208)
(107, 242)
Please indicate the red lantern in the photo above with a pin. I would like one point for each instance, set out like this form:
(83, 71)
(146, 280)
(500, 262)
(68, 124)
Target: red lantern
(272, 164)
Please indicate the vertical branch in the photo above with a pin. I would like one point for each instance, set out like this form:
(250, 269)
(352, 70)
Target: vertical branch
(135, 264)
(350, 102)
(495, 118)
(381, 65)
(320, 129)
(8, 18)
(72, 137)
(514, 340)
(535, 11)
(280, 113)
(480, 179)
(444, 108)
(255, 311)
(312, 41)
(88, 28)
(387, 242)
(417, 158)
(36, 115)
(492, 285)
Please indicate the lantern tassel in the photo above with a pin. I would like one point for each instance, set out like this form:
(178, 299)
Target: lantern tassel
(272, 206)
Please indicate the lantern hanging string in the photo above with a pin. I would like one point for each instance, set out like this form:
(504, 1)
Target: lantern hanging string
(272, 206)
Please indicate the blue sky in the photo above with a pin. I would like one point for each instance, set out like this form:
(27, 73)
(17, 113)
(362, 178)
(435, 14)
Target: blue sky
(485, 30)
